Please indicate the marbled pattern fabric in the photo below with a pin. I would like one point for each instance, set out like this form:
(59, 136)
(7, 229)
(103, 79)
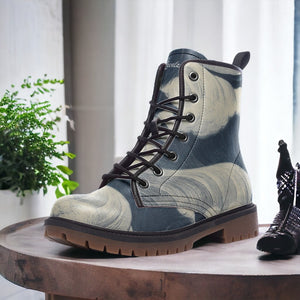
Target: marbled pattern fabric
(208, 176)
(106, 207)
(113, 207)
(207, 190)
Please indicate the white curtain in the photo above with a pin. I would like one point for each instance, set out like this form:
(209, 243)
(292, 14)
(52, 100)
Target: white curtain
(147, 30)
(31, 35)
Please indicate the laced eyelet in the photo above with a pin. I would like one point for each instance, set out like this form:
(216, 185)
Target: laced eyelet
(193, 76)
(172, 155)
(143, 184)
(194, 98)
(190, 117)
(157, 171)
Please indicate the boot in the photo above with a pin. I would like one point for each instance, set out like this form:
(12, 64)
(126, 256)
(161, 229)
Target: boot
(283, 235)
(184, 179)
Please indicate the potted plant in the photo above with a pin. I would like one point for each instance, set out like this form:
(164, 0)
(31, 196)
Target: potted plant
(29, 150)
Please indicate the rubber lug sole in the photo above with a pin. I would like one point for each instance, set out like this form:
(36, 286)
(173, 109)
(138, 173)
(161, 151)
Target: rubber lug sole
(235, 225)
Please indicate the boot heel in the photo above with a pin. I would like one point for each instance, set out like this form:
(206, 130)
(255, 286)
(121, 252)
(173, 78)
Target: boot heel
(241, 228)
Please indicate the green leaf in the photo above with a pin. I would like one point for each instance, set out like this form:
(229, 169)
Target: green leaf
(67, 190)
(70, 185)
(65, 170)
(70, 155)
(58, 193)
(63, 142)
(34, 93)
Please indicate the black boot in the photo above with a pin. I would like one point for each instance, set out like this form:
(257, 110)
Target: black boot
(283, 236)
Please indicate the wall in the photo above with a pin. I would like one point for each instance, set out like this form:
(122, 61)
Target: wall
(89, 65)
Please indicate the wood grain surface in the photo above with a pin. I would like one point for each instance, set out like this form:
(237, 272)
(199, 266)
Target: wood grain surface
(210, 271)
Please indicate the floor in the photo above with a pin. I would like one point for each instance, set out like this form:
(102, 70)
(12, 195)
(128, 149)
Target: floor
(10, 291)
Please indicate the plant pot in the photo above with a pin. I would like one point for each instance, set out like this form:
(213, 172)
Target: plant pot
(14, 210)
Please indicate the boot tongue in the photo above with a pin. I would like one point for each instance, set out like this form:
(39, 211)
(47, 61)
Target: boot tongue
(170, 84)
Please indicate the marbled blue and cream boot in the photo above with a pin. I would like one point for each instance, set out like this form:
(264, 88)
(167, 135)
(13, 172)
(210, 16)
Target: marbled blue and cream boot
(184, 179)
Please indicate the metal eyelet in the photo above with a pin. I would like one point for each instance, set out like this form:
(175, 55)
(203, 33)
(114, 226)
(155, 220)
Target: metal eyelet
(172, 156)
(194, 98)
(190, 117)
(184, 139)
(158, 173)
(143, 184)
(193, 76)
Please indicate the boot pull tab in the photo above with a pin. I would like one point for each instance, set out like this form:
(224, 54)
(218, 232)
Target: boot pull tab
(241, 59)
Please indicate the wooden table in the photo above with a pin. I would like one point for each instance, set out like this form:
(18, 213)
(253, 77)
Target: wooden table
(210, 271)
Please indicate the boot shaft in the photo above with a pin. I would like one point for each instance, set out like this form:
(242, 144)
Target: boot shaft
(214, 112)
(212, 133)
(208, 164)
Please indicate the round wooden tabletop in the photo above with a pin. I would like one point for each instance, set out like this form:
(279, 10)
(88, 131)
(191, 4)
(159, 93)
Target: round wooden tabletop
(209, 271)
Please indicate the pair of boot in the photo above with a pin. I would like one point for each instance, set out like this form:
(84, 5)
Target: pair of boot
(283, 236)
(185, 178)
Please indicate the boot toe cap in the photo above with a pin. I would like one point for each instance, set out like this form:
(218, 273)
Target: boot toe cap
(279, 243)
(105, 208)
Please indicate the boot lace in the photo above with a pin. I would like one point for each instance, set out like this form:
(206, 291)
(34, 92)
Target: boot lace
(153, 132)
